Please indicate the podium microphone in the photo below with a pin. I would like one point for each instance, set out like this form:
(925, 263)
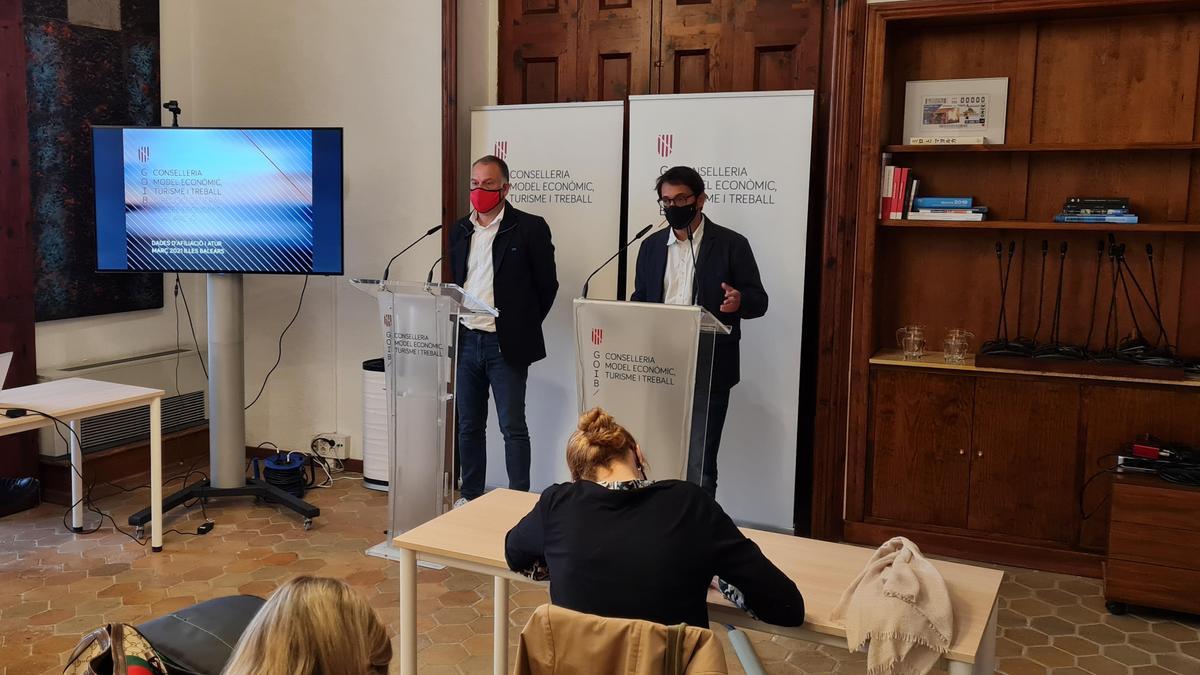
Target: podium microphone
(641, 233)
(421, 238)
(429, 277)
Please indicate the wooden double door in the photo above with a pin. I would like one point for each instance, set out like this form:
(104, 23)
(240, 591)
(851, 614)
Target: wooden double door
(602, 50)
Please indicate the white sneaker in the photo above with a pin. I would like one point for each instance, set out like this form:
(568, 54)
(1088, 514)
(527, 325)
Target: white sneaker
(461, 501)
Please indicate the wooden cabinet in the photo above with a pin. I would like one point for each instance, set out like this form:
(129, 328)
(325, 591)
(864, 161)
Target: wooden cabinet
(921, 435)
(1153, 546)
(1024, 470)
(978, 454)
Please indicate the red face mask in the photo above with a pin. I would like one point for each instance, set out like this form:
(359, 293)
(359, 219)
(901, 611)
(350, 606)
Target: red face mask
(485, 200)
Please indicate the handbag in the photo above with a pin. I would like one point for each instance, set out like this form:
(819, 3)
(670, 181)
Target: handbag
(114, 649)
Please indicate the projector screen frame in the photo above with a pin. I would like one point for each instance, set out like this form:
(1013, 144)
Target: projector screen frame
(341, 206)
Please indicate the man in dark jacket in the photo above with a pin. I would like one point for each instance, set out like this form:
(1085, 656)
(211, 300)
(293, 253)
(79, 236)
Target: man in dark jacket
(722, 277)
(505, 258)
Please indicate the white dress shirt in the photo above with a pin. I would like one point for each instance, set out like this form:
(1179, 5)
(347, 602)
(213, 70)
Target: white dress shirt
(480, 274)
(680, 274)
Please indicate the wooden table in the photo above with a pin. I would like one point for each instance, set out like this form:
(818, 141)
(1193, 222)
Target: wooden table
(472, 538)
(74, 399)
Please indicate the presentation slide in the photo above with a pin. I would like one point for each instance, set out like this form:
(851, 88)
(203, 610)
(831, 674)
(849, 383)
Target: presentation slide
(219, 200)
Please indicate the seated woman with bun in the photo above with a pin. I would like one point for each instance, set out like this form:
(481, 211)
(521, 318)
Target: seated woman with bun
(619, 545)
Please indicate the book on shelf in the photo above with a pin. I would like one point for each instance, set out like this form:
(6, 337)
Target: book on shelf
(925, 215)
(943, 202)
(1128, 219)
(909, 195)
(973, 209)
(1097, 203)
(1076, 211)
(947, 140)
(885, 182)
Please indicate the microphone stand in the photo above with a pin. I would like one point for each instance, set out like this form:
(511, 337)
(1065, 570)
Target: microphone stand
(1112, 325)
(1095, 296)
(388, 269)
(1135, 346)
(1032, 343)
(695, 270)
(1001, 346)
(1056, 349)
(641, 233)
(429, 277)
(1160, 355)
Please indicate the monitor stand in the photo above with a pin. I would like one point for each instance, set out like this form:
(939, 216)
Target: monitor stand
(226, 413)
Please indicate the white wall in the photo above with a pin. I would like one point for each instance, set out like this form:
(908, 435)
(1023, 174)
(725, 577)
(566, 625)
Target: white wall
(478, 45)
(372, 67)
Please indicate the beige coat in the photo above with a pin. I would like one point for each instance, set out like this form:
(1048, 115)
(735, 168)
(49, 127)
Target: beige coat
(560, 641)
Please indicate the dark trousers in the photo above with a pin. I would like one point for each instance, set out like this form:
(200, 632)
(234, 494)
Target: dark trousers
(702, 455)
(481, 365)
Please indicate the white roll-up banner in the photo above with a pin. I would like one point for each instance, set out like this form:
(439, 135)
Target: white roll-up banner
(565, 165)
(753, 150)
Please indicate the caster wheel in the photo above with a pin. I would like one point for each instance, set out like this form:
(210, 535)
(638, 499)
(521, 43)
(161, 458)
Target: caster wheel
(308, 523)
(140, 532)
(1116, 608)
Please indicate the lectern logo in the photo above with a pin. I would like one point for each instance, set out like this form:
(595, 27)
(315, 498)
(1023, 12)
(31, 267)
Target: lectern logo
(144, 154)
(665, 141)
(500, 149)
(597, 336)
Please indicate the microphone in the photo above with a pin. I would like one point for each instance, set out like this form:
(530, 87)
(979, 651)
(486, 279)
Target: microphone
(695, 270)
(429, 277)
(388, 269)
(641, 233)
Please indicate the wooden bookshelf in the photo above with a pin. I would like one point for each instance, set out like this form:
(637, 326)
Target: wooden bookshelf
(986, 462)
(1044, 225)
(1044, 147)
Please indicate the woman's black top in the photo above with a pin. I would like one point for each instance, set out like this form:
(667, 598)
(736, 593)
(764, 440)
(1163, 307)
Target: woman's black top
(648, 553)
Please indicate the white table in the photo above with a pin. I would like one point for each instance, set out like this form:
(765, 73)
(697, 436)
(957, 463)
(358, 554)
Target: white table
(472, 538)
(74, 399)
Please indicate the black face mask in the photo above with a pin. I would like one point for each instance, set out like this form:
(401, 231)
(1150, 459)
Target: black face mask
(679, 217)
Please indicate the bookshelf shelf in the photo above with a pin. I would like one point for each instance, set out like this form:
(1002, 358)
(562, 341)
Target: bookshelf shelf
(1045, 226)
(1042, 147)
(934, 361)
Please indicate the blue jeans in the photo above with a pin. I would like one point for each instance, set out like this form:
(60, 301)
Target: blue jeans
(481, 365)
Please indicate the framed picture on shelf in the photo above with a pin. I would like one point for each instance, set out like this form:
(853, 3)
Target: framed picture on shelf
(955, 112)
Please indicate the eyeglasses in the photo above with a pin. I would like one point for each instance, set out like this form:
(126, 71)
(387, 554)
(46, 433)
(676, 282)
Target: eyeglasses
(681, 200)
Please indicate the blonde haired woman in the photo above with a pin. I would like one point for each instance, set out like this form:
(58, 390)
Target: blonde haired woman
(617, 544)
(313, 626)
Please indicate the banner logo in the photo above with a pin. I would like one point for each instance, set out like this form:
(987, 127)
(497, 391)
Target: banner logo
(664, 144)
(597, 336)
(144, 154)
(387, 320)
(500, 149)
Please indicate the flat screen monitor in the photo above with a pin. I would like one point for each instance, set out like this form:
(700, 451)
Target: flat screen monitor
(190, 199)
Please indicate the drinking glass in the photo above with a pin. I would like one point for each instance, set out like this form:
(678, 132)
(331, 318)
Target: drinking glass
(911, 340)
(957, 345)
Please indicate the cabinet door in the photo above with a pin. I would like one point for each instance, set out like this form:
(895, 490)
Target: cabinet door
(1025, 462)
(920, 433)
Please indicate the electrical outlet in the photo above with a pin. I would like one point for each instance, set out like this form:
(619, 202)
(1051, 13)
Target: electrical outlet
(340, 448)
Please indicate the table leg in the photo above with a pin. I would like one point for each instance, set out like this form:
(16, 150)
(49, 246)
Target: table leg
(76, 477)
(985, 658)
(408, 612)
(156, 488)
(500, 626)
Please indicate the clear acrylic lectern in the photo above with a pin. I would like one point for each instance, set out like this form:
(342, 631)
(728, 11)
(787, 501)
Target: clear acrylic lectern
(420, 329)
(650, 366)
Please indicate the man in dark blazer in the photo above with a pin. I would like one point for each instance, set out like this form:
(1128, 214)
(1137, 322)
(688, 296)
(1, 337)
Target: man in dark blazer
(505, 258)
(723, 279)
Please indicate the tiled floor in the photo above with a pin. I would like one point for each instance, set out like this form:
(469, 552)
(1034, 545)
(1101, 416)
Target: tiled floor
(55, 586)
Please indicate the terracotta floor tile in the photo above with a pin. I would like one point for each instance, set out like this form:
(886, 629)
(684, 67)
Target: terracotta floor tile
(103, 577)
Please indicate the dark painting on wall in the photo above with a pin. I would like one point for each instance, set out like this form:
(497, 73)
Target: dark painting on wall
(83, 68)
